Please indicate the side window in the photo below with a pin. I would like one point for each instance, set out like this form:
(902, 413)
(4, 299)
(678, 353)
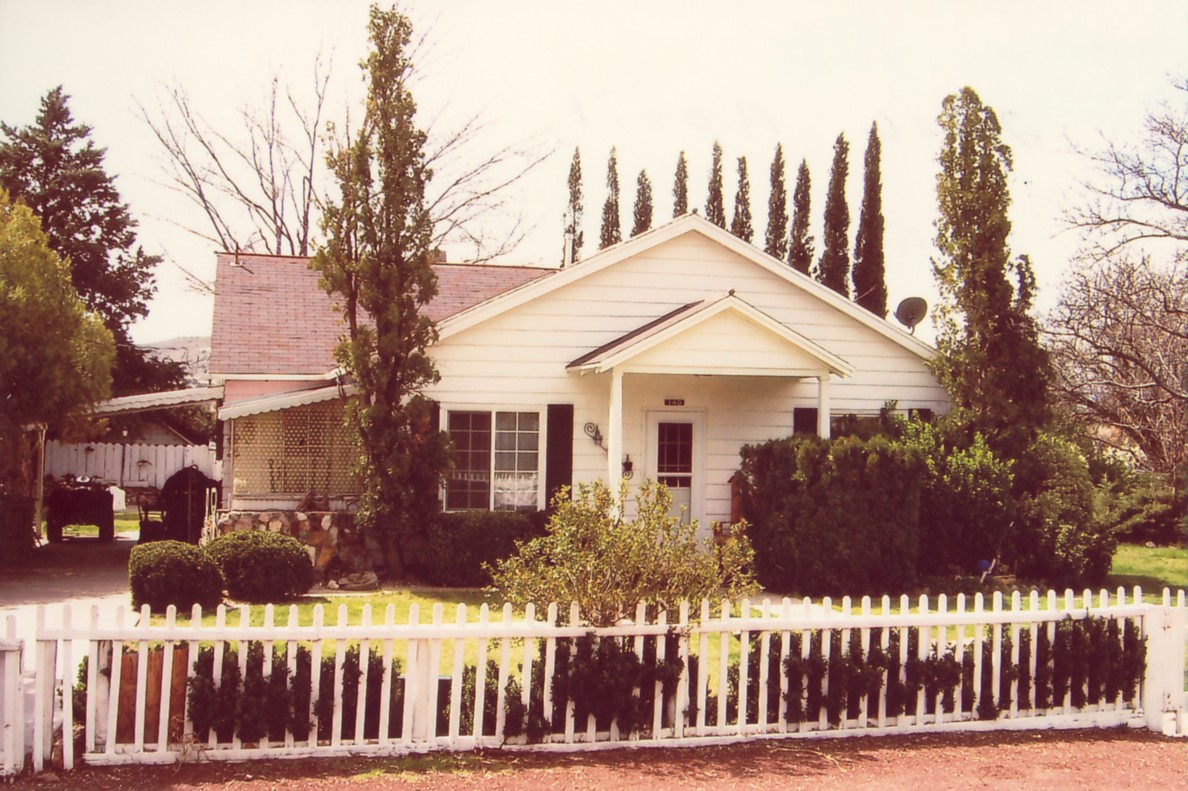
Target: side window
(469, 482)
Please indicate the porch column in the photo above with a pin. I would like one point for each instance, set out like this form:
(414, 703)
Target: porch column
(823, 406)
(614, 432)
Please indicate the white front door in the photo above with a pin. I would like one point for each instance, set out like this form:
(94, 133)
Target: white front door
(675, 459)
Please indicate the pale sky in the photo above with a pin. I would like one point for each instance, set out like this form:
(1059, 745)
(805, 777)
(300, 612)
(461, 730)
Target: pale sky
(649, 78)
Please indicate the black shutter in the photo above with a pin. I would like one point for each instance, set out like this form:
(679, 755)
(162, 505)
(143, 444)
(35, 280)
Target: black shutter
(925, 415)
(804, 420)
(559, 453)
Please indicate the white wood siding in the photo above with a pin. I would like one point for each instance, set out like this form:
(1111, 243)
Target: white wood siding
(518, 358)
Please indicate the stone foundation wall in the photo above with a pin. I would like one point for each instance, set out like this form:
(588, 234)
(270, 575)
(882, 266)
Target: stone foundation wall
(335, 546)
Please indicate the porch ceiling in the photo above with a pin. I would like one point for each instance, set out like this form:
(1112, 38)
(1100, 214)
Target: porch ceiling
(727, 336)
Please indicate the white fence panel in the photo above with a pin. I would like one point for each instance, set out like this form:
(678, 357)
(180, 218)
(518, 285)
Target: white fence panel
(12, 701)
(338, 685)
(128, 465)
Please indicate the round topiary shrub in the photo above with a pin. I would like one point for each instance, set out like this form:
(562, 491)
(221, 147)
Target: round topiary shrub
(260, 566)
(173, 572)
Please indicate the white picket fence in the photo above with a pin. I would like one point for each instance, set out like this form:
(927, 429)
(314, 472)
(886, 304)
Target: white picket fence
(12, 701)
(128, 465)
(135, 707)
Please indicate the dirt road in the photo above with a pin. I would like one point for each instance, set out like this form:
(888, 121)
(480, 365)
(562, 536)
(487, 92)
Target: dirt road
(1045, 761)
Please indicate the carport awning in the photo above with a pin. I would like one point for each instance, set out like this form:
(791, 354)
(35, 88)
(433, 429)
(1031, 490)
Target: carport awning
(274, 403)
(150, 402)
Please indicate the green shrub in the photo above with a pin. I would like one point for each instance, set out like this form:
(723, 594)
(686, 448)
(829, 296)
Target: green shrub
(1146, 509)
(966, 504)
(260, 566)
(834, 517)
(173, 572)
(1058, 537)
(608, 554)
(463, 544)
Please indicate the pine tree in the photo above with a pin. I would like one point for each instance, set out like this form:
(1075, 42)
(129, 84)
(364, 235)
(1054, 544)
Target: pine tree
(991, 362)
(54, 168)
(870, 287)
(740, 223)
(573, 211)
(776, 242)
(800, 242)
(715, 208)
(833, 269)
(611, 233)
(376, 263)
(643, 204)
(680, 187)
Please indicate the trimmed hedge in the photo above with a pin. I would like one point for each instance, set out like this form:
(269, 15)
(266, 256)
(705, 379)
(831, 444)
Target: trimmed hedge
(260, 566)
(829, 517)
(173, 572)
(463, 543)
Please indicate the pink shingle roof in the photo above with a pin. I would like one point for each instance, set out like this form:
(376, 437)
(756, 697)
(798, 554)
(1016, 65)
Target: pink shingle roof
(270, 317)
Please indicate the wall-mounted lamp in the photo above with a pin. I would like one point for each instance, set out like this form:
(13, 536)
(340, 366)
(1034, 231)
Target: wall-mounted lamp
(628, 467)
(594, 433)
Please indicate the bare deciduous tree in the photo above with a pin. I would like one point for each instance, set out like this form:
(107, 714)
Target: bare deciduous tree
(258, 188)
(1141, 195)
(261, 187)
(1119, 342)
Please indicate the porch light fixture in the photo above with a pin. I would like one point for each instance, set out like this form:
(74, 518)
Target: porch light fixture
(628, 467)
(594, 433)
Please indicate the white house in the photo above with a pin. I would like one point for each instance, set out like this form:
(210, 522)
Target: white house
(662, 356)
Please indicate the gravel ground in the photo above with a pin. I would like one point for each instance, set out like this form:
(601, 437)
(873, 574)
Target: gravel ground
(1081, 760)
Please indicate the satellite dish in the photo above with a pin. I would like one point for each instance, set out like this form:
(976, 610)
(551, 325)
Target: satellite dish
(911, 312)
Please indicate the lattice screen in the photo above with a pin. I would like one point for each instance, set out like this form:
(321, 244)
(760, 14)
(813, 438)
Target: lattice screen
(294, 451)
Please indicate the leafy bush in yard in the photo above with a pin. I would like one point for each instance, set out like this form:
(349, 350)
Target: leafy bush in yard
(260, 566)
(966, 504)
(834, 516)
(1058, 536)
(609, 554)
(1145, 509)
(463, 544)
(173, 572)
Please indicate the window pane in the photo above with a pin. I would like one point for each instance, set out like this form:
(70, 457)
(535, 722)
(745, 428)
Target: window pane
(675, 448)
(468, 485)
(517, 480)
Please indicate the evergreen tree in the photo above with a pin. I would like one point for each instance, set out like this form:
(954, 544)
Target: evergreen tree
(573, 211)
(833, 269)
(680, 187)
(643, 204)
(56, 355)
(991, 362)
(740, 224)
(715, 208)
(870, 287)
(776, 242)
(54, 168)
(800, 242)
(611, 233)
(376, 263)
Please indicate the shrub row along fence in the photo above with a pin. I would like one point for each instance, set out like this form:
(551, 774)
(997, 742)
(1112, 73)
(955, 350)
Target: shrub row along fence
(164, 689)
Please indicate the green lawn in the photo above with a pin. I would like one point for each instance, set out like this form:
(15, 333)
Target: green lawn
(1154, 568)
(125, 522)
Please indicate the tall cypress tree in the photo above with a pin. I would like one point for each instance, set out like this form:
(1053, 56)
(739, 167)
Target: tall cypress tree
(991, 362)
(680, 187)
(611, 233)
(870, 287)
(643, 204)
(715, 208)
(776, 241)
(377, 263)
(573, 211)
(740, 224)
(833, 269)
(800, 242)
